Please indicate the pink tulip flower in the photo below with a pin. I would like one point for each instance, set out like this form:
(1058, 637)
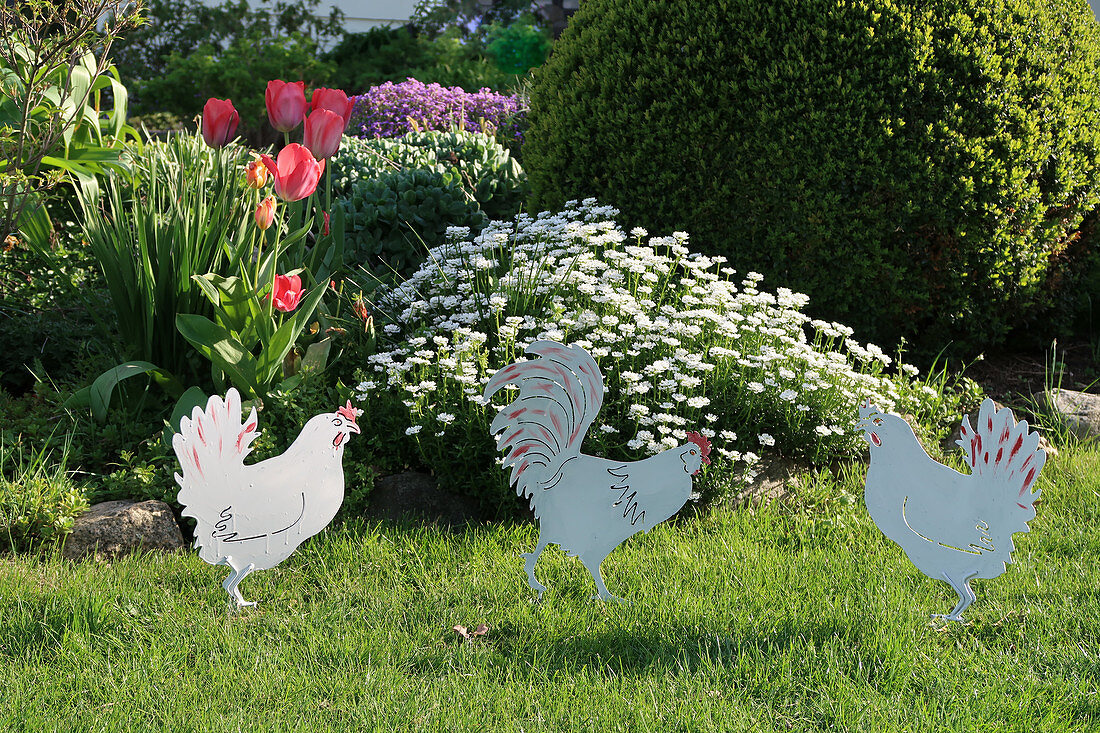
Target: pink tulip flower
(265, 213)
(286, 104)
(287, 293)
(219, 122)
(333, 100)
(324, 129)
(296, 173)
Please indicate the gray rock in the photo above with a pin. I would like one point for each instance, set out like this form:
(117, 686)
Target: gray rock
(1079, 411)
(775, 480)
(115, 528)
(414, 494)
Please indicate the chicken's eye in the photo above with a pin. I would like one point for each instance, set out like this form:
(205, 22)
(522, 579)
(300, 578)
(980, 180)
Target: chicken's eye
(338, 422)
(877, 421)
(693, 453)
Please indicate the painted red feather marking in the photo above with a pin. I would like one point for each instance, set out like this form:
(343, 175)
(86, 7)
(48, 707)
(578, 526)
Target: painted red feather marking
(557, 423)
(1016, 447)
(991, 423)
(1000, 452)
(545, 433)
(1021, 505)
(1005, 433)
(198, 466)
(1028, 480)
(987, 458)
(515, 413)
(977, 446)
(511, 436)
(573, 436)
(198, 427)
(1027, 462)
(240, 437)
(517, 452)
(545, 386)
(522, 467)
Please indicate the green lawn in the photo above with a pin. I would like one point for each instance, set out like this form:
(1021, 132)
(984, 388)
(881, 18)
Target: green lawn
(790, 618)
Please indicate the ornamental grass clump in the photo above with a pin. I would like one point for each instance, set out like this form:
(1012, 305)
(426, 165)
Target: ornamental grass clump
(391, 110)
(681, 341)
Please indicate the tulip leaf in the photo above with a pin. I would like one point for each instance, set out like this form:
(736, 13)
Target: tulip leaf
(98, 394)
(222, 348)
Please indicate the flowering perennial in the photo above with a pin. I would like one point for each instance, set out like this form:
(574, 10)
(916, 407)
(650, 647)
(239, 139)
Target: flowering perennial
(681, 342)
(386, 110)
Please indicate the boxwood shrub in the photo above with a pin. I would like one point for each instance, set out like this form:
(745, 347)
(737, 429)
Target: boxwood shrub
(920, 170)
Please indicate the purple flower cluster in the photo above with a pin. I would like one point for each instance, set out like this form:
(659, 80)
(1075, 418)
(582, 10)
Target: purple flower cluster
(384, 111)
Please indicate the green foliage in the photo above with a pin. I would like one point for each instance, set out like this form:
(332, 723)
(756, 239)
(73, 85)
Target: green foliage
(239, 72)
(381, 54)
(45, 320)
(400, 195)
(363, 60)
(38, 501)
(180, 28)
(517, 48)
(943, 161)
(187, 212)
(393, 219)
(54, 69)
(437, 16)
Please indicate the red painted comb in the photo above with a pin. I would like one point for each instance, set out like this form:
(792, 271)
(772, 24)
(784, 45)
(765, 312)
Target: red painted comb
(347, 411)
(703, 443)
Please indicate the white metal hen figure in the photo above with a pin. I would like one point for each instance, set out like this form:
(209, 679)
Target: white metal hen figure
(253, 517)
(585, 505)
(954, 527)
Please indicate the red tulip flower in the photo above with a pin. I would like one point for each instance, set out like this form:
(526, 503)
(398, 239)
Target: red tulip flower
(219, 122)
(265, 213)
(324, 233)
(296, 173)
(286, 104)
(324, 128)
(333, 100)
(287, 293)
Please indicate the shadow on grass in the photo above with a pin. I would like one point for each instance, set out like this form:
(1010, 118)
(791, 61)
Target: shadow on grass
(652, 651)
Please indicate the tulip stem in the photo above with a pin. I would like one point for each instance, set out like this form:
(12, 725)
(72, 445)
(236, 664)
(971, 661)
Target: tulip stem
(328, 189)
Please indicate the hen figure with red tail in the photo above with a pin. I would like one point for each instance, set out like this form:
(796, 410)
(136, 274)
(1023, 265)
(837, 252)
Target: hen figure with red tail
(585, 505)
(252, 517)
(954, 527)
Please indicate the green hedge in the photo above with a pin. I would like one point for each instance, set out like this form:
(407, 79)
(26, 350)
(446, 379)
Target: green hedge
(920, 170)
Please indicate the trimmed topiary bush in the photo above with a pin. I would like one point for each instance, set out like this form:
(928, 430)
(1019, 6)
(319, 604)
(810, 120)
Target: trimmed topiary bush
(919, 170)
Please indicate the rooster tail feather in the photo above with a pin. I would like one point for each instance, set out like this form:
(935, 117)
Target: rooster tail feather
(560, 394)
(212, 443)
(998, 448)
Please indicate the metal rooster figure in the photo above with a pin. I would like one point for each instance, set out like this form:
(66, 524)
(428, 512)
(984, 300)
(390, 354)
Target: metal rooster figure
(585, 505)
(253, 517)
(954, 527)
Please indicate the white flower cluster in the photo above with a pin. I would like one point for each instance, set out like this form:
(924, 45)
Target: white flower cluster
(682, 345)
